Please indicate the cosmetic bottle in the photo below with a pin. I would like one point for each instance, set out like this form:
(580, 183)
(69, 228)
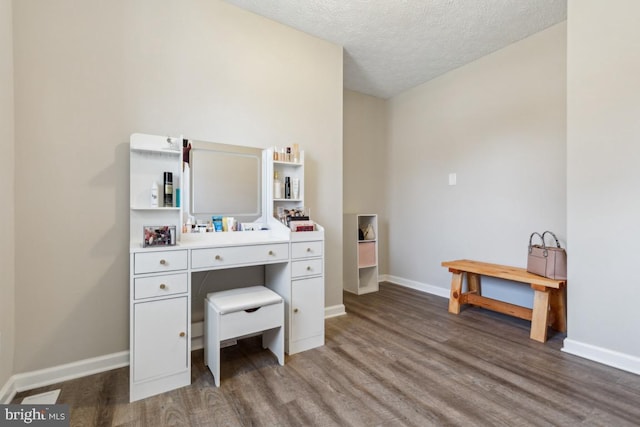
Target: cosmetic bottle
(277, 186)
(296, 153)
(154, 194)
(288, 157)
(168, 190)
(177, 202)
(287, 187)
(295, 188)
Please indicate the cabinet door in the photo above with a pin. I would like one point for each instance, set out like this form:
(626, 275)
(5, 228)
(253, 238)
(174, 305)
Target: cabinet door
(160, 338)
(307, 306)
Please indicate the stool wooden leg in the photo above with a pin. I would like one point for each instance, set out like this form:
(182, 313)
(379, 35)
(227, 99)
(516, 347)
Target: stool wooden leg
(273, 339)
(540, 314)
(206, 333)
(214, 353)
(558, 302)
(456, 292)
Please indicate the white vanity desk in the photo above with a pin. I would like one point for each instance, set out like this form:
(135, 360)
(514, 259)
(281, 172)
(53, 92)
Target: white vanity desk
(161, 331)
(161, 297)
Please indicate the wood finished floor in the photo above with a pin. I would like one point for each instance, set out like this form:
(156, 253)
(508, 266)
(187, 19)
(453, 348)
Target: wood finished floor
(398, 358)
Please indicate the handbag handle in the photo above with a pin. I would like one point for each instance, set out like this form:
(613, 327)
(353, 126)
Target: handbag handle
(554, 238)
(531, 241)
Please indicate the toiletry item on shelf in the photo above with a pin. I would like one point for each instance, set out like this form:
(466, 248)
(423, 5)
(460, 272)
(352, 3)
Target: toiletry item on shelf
(168, 190)
(217, 223)
(228, 223)
(154, 194)
(296, 153)
(277, 186)
(287, 187)
(288, 158)
(295, 188)
(177, 202)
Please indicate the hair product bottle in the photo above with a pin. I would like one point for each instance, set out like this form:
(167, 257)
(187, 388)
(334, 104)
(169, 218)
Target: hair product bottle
(168, 189)
(287, 187)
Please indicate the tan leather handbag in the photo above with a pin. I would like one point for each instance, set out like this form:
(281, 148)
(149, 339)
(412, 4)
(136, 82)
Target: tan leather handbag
(547, 261)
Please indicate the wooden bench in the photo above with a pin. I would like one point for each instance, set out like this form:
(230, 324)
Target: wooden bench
(549, 301)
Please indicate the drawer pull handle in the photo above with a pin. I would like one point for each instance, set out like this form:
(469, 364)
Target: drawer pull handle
(218, 257)
(163, 262)
(295, 310)
(308, 249)
(271, 253)
(163, 286)
(182, 334)
(308, 268)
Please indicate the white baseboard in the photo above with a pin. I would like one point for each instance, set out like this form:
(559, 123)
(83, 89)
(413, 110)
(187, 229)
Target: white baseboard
(430, 289)
(60, 373)
(602, 355)
(7, 392)
(334, 311)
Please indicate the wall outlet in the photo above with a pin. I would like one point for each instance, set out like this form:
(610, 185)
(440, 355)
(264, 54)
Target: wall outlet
(452, 179)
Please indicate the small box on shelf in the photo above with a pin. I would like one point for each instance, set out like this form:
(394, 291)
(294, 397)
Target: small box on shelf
(301, 225)
(159, 235)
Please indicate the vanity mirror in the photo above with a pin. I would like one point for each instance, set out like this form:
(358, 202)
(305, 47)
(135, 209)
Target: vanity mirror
(225, 180)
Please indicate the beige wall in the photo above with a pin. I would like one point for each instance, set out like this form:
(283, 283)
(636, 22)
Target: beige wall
(7, 219)
(90, 73)
(499, 124)
(365, 162)
(603, 178)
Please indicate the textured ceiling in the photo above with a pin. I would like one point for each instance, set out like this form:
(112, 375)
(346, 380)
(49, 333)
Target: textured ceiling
(393, 45)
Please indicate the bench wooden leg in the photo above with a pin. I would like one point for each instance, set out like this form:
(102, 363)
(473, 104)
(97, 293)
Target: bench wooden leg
(540, 315)
(474, 283)
(456, 292)
(558, 303)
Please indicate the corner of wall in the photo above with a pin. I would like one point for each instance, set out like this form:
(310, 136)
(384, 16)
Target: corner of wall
(7, 210)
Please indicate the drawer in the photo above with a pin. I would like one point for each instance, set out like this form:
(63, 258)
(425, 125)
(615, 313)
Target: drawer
(310, 267)
(159, 286)
(306, 249)
(159, 261)
(239, 323)
(239, 255)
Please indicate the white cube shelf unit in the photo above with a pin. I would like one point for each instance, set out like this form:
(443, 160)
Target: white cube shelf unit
(360, 271)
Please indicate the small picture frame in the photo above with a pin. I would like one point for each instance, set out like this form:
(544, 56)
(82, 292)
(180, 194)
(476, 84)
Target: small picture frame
(159, 235)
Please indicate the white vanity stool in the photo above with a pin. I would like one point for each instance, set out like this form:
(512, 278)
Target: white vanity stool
(237, 313)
